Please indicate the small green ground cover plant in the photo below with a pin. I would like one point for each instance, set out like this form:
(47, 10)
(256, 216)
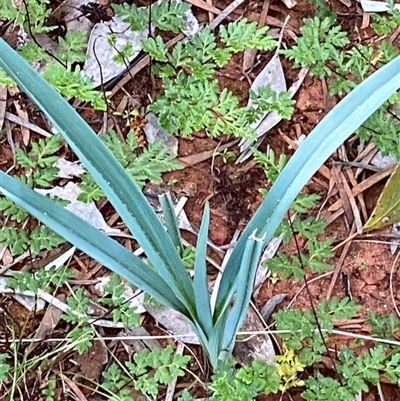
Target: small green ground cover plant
(191, 99)
(36, 168)
(326, 49)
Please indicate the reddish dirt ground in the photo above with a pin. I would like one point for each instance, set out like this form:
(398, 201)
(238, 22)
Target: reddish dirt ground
(233, 193)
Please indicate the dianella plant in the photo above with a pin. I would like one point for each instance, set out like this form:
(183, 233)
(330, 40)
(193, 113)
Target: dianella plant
(165, 277)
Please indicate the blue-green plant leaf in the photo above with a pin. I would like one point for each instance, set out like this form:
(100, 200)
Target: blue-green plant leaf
(329, 134)
(119, 188)
(247, 272)
(171, 222)
(201, 294)
(90, 240)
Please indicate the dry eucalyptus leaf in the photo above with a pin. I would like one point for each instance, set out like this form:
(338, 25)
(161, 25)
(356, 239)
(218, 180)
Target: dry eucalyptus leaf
(86, 211)
(5, 255)
(91, 363)
(173, 321)
(387, 210)
(133, 345)
(376, 6)
(68, 169)
(258, 347)
(50, 320)
(383, 161)
(192, 24)
(268, 309)
(154, 133)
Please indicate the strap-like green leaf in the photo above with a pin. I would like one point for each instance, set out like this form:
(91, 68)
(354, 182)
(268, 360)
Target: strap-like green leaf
(119, 188)
(171, 222)
(91, 241)
(201, 294)
(329, 134)
(244, 289)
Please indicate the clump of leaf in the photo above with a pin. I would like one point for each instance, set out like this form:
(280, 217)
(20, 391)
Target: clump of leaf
(42, 280)
(38, 10)
(36, 169)
(191, 98)
(62, 70)
(122, 311)
(244, 384)
(315, 48)
(384, 24)
(166, 16)
(357, 372)
(383, 326)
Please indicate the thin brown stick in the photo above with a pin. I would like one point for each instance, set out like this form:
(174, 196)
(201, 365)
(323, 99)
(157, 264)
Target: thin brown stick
(205, 5)
(362, 186)
(339, 265)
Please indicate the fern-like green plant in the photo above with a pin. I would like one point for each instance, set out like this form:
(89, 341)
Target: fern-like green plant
(164, 363)
(191, 99)
(325, 48)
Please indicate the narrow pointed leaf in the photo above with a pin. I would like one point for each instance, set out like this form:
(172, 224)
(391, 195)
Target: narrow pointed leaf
(329, 134)
(387, 209)
(201, 294)
(90, 240)
(171, 222)
(237, 313)
(119, 188)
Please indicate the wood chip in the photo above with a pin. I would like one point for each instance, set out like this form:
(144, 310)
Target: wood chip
(353, 204)
(360, 197)
(365, 156)
(342, 192)
(366, 18)
(250, 54)
(228, 10)
(210, 14)
(205, 5)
